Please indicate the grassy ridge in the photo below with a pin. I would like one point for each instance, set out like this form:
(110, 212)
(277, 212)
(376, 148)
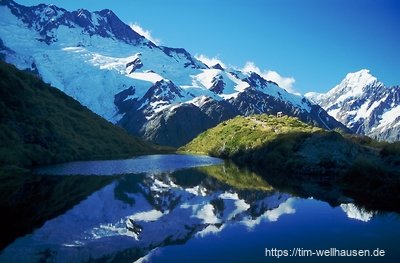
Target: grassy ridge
(268, 141)
(289, 150)
(40, 125)
(242, 134)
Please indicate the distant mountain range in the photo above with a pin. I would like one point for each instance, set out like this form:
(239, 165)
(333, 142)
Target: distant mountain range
(365, 105)
(162, 94)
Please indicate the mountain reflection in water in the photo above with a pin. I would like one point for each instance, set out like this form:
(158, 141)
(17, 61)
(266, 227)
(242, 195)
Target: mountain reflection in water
(138, 217)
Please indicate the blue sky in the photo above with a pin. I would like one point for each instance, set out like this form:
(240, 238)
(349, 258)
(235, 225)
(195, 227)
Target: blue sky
(317, 42)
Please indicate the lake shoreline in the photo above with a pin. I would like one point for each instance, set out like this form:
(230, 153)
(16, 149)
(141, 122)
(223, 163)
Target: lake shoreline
(186, 210)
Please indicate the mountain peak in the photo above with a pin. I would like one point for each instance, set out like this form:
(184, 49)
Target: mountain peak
(361, 72)
(217, 66)
(362, 77)
(129, 80)
(47, 19)
(364, 104)
(355, 84)
(107, 13)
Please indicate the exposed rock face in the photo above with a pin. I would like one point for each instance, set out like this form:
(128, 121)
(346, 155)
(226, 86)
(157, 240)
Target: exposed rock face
(100, 61)
(365, 105)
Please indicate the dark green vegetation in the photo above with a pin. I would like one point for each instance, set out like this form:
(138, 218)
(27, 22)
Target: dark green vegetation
(288, 152)
(27, 201)
(41, 125)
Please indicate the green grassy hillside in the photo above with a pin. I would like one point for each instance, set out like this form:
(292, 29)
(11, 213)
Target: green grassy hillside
(287, 148)
(243, 134)
(273, 143)
(41, 125)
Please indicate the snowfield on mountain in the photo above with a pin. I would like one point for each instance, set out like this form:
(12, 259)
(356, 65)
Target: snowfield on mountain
(152, 91)
(365, 105)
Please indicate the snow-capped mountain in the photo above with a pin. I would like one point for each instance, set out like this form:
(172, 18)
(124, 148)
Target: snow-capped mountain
(127, 219)
(137, 213)
(162, 94)
(365, 105)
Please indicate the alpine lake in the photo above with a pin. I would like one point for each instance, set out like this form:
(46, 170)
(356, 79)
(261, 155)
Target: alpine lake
(184, 208)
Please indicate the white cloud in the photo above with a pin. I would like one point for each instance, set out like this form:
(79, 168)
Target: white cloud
(251, 67)
(210, 61)
(283, 82)
(146, 33)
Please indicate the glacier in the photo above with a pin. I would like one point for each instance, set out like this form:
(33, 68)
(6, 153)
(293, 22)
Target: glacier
(147, 89)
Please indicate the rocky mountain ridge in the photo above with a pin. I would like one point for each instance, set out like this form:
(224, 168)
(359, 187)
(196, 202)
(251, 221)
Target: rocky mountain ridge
(365, 105)
(162, 94)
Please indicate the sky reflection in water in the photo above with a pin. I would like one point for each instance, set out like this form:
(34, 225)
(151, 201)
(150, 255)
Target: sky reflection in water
(144, 217)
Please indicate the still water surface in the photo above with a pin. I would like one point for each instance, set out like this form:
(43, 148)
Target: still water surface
(167, 214)
(142, 164)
